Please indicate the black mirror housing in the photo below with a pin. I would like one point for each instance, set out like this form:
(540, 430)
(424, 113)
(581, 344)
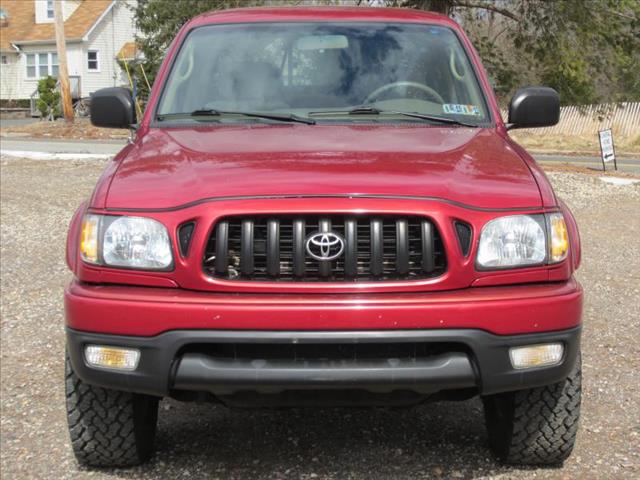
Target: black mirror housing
(533, 107)
(113, 108)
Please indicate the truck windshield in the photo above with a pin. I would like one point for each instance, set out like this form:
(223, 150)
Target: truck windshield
(347, 72)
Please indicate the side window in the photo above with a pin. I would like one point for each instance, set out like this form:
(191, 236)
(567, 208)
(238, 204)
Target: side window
(50, 13)
(93, 64)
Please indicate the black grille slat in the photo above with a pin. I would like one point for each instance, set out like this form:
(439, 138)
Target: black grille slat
(402, 247)
(299, 253)
(428, 259)
(222, 239)
(376, 260)
(351, 248)
(246, 254)
(273, 247)
(270, 248)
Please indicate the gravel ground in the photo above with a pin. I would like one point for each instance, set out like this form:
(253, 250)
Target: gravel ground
(444, 440)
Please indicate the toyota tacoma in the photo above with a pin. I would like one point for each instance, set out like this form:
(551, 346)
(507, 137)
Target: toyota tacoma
(323, 207)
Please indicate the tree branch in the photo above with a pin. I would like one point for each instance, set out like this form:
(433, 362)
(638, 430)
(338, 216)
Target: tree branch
(487, 6)
(495, 37)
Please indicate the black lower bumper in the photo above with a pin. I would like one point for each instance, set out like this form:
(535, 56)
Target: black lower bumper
(178, 361)
(197, 371)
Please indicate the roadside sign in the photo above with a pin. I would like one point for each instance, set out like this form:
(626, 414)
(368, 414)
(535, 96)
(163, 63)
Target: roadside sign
(607, 149)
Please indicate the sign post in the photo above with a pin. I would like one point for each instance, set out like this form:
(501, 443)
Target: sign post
(607, 149)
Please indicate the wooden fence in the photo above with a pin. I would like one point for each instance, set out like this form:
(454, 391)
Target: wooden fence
(622, 118)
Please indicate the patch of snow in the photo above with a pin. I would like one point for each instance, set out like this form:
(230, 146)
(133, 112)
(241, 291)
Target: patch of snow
(54, 156)
(619, 181)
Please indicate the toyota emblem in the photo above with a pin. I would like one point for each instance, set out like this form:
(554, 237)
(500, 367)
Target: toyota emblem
(325, 246)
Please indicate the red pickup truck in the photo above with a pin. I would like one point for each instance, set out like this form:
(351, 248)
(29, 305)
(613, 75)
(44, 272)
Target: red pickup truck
(322, 206)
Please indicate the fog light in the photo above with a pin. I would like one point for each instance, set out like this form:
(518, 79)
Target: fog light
(112, 357)
(536, 355)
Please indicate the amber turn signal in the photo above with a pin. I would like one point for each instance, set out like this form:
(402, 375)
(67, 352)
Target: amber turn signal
(89, 238)
(558, 238)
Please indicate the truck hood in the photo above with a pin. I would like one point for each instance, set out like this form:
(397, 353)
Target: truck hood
(172, 167)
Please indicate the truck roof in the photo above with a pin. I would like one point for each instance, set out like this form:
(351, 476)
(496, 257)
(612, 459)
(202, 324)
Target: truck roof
(305, 14)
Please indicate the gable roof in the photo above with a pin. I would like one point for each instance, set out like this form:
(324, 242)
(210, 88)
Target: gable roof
(129, 51)
(22, 28)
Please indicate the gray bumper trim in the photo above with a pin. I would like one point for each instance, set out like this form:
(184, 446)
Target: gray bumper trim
(164, 368)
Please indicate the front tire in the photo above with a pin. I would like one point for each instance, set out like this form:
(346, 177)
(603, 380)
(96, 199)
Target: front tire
(109, 428)
(536, 426)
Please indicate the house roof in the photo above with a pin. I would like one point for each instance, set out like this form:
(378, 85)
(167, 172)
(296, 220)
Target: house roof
(128, 51)
(22, 28)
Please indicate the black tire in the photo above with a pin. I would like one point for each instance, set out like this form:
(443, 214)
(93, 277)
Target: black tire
(536, 426)
(109, 428)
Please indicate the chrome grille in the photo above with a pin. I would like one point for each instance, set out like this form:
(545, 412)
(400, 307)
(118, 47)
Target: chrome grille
(376, 248)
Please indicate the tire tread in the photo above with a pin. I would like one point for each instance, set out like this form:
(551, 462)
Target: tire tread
(537, 426)
(103, 424)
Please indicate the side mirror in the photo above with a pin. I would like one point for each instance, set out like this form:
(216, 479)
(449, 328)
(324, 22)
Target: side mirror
(534, 107)
(113, 108)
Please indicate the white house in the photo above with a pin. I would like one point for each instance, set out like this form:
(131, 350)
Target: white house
(97, 33)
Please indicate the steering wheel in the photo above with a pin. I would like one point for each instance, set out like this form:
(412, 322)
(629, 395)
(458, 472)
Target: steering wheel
(390, 86)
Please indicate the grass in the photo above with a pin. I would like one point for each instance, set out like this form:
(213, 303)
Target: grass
(80, 129)
(574, 144)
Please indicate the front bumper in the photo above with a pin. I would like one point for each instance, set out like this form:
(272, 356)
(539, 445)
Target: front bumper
(167, 364)
(174, 328)
(145, 311)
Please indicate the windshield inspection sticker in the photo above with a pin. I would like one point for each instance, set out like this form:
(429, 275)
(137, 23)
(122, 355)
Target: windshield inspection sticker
(458, 109)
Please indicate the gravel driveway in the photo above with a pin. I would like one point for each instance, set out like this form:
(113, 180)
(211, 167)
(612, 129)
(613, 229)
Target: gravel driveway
(444, 440)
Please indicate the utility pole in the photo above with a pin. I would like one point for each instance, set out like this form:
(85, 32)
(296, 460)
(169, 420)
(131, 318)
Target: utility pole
(63, 73)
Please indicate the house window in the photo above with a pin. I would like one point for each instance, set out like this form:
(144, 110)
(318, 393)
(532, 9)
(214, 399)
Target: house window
(54, 65)
(31, 65)
(92, 61)
(50, 12)
(4, 60)
(40, 65)
(43, 64)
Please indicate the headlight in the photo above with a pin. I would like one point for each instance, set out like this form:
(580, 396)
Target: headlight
(512, 241)
(522, 240)
(129, 242)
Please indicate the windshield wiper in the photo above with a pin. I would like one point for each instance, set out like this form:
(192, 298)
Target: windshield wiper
(434, 118)
(370, 110)
(212, 112)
